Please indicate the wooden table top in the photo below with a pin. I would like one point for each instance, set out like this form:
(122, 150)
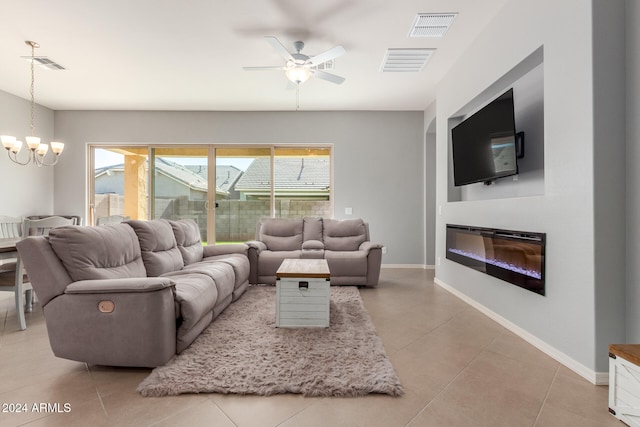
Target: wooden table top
(8, 245)
(305, 268)
(630, 352)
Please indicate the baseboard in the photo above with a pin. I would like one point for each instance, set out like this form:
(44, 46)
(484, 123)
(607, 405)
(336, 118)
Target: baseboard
(597, 378)
(421, 266)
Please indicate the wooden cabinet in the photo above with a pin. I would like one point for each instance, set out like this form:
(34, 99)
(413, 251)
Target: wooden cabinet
(624, 382)
(302, 293)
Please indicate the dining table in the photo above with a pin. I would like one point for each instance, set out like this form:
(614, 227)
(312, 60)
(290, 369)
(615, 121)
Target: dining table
(8, 250)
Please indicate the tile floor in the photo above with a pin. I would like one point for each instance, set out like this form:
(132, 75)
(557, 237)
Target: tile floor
(458, 368)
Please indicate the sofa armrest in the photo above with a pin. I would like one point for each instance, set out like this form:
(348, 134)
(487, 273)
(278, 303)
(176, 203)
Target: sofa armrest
(215, 250)
(255, 248)
(127, 285)
(367, 246)
(312, 245)
(258, 245)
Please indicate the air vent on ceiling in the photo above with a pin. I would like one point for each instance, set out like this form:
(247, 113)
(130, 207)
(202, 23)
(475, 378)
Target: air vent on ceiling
(431, 24)
(406, 60)
(44, 62)
(327, 65)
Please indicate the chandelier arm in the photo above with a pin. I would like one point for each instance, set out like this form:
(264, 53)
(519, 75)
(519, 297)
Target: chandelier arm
(14, 159)
(39, 160)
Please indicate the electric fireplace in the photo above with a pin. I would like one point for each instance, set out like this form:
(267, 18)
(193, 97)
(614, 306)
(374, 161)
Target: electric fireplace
(516, 257)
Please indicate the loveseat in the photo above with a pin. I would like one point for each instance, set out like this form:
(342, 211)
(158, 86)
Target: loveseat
(131, 294)
(352, 258)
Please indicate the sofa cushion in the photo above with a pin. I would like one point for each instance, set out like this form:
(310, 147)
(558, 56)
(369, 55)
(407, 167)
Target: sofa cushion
(281, 234)
(312, 245)
(160, 251)
(239, 263)
(109, 252)
(344, 235)
(349, 263)
(270, 261)
(221, 273)
(195, 294)
(312, 228)
(187, 236)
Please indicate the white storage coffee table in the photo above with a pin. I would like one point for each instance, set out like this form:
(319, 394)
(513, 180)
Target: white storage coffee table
(302, 293)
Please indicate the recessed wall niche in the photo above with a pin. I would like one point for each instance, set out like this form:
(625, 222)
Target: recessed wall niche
(527, 81)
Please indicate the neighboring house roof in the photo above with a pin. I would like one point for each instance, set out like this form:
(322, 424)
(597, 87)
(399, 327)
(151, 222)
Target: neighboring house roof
(226, 175)
(183, 174)
(291, 173)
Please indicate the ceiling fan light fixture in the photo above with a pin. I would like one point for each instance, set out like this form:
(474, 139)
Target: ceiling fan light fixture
(298, 74)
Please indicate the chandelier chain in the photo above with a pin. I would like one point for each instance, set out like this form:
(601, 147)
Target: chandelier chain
(33, 111)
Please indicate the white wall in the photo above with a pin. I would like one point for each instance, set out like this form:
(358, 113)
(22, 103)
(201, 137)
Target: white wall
(633, 171)
(378, 158)
(609, 146)
(565, 319)
(26, 190)
(430, 184)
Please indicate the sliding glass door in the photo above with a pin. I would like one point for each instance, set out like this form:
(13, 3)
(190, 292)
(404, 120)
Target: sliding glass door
(302, 182)
(243, 188)
(180, 189)
(119, 183)
(175, 182)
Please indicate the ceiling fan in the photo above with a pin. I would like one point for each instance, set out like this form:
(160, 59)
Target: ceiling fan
(298, 66)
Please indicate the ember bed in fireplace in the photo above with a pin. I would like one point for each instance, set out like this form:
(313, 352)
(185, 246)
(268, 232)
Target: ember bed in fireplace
(516, 257)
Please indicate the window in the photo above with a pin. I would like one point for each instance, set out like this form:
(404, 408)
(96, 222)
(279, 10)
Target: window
(250, 182)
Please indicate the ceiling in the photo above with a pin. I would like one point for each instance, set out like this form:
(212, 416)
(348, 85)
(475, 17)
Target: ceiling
(188, 55)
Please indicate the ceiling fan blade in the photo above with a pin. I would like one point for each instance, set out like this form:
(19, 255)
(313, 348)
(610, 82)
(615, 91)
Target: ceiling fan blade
(328, 76)
(275, 67)
(279, 47)
(326, 56)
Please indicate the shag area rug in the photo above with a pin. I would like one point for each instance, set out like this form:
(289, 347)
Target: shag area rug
(242, 352)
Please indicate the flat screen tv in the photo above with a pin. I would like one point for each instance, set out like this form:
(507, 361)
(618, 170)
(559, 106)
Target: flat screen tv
(484, 144)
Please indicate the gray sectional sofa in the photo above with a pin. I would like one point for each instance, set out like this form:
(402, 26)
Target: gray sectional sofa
(131, 294)
(353, 259)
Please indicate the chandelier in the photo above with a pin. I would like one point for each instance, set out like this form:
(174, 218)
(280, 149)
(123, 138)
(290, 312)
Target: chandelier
(37, 151)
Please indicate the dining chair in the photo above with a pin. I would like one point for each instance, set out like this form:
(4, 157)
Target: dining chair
(18, 228)
(11, 231)
(77, 220)
(111, 219)
(41, 227)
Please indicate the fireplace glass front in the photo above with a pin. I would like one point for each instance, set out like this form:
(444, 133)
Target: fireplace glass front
(516, 257)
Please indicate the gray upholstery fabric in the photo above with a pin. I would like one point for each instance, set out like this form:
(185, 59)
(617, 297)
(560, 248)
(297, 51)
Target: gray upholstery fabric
(352, 258)
(347, 263)
(312, 245)
(225, 249)
(47, 275)
(239, 263)
(312, 228)
(343, 235)
(75, 269)
(270, 261)
(221, 274)
(129, 336)
(281, 234)
(132, 284)
(188, 240)
(98, 252)
(196, 295)
(160, 251)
